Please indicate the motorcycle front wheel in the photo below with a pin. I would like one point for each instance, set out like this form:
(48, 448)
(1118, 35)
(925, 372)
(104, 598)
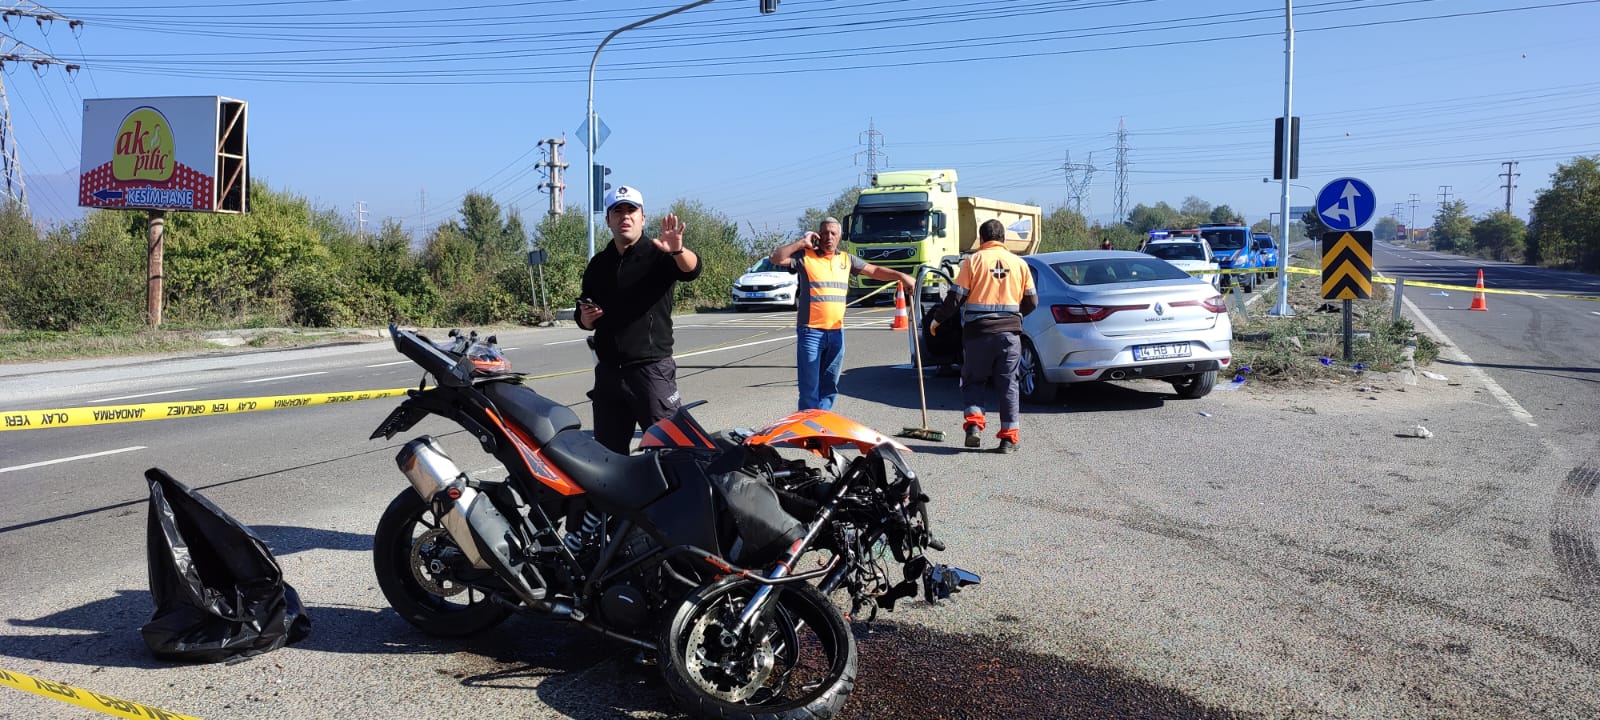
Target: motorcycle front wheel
(425, 575)
(799, 663)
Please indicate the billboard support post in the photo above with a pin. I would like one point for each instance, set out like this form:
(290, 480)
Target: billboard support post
(158, 223)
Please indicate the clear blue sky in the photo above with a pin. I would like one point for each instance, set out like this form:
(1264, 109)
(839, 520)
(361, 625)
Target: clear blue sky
(762, 116)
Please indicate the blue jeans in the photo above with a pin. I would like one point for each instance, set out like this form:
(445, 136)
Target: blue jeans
(819, 355)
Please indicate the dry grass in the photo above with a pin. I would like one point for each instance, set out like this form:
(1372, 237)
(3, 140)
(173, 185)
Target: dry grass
(1309, 346)
(42, 346)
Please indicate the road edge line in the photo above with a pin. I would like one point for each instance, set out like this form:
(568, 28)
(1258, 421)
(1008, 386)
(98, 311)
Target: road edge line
(1499, 393)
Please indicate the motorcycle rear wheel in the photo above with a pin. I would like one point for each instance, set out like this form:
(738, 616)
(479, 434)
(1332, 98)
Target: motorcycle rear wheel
(797, 664)
(414, 559)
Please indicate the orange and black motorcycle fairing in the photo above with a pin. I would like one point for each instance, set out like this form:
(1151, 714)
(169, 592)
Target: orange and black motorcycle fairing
(688, 549)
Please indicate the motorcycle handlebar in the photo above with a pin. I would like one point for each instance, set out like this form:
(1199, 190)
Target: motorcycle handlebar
(445, 370)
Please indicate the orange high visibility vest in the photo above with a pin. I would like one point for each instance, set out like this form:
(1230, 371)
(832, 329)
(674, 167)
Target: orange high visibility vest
(995, 280)
(827, 284)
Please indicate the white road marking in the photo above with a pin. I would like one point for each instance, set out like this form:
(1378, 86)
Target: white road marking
(1450, 348)
(1591, 312)
(786, 338)
(70, 459)
(287, 377)
(563, 342)
(397, 362)
(140, 395)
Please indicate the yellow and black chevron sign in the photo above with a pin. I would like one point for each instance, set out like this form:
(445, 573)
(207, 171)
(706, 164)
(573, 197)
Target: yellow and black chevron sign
(1347, 265)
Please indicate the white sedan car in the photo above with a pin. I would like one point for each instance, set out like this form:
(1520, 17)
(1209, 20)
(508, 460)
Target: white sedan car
(1116, 315)
(1190, 254)
(765, 286)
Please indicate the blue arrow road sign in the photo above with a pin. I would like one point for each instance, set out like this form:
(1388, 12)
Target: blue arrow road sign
(1346, 204)
(108, 194)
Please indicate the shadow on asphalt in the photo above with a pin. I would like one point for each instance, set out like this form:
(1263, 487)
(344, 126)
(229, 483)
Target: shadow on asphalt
(906, 671)
(897, 387)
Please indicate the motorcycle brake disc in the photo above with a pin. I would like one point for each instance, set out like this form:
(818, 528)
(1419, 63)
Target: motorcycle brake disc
(426, 565)
(726, 673)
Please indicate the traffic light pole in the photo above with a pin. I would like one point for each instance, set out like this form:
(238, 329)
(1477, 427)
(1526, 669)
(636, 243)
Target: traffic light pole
(590, 119)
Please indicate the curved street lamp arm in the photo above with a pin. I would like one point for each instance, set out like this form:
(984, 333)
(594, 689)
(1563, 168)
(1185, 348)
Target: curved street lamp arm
(589, 118)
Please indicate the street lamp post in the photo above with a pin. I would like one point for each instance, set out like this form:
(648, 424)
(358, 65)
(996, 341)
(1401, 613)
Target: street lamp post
(767, 7)
(1282, 308)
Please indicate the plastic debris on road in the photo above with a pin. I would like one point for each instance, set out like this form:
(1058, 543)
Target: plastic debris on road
(1429, 374)
(1421, 432)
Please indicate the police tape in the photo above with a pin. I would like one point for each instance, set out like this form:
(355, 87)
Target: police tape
(87, 699)
(81, 416)
(1409, 283)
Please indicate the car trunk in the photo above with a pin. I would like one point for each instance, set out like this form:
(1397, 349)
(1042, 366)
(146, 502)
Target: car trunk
(1157, 315)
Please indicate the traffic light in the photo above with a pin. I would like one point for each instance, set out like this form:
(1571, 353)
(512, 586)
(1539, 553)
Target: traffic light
(769, 7)
(600, 187)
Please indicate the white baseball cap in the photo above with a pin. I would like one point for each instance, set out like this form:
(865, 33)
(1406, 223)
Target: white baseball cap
(624, 194)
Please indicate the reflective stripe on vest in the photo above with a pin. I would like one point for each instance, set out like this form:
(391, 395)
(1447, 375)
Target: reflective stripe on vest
(827, 285)
(998, 279)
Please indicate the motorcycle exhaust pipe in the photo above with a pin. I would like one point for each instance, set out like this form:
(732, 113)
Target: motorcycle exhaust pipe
(483, 533)
(431, 471)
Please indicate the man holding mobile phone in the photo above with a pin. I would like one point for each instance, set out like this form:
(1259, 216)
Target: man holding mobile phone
(627, 302)
(824, 272)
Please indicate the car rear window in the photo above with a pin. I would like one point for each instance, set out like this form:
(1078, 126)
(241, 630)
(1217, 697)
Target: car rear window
(1176, 251)
(1107, 271)
(1225, 239)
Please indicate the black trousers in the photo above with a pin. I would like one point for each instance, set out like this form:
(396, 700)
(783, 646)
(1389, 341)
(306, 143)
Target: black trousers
(632, 397)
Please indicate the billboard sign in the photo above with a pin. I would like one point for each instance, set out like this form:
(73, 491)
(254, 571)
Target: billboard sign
(169, 153)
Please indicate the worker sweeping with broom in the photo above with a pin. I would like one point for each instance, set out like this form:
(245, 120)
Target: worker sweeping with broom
(992, 290)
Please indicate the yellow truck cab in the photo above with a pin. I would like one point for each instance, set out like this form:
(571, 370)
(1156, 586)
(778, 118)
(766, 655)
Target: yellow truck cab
(909, 218)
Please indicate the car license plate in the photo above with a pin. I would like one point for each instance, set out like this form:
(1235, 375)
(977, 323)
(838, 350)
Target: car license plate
(754, 295)
(1161, 352)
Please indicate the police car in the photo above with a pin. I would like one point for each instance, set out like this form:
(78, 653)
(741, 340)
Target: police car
(1232, 246)
(1191, 253)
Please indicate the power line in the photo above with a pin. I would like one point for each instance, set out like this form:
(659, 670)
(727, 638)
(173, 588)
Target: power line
(16, 51)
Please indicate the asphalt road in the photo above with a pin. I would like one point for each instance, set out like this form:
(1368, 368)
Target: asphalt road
(1255, 553)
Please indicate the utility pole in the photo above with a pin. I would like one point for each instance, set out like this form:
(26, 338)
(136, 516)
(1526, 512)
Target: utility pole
(1511, 176)
(1444, 196)
(874, 140)
(1122, 170)
(555, 184)
(361, 218)
(422, 208)
(1411, 229)
(14, 50)
(1078, 186)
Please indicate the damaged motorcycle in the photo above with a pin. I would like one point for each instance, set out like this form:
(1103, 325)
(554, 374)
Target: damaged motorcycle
(715, 552)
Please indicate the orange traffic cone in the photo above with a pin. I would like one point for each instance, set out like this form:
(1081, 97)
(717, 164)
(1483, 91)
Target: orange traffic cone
(900, 320)
(1477, 302)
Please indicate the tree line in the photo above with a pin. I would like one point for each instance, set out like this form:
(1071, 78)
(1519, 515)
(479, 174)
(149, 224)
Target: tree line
(291, 263)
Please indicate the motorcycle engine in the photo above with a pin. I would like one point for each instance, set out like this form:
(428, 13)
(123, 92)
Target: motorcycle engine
(626, 603)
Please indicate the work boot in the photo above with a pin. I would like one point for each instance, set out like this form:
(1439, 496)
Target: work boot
(974, 436)
(1007, 446)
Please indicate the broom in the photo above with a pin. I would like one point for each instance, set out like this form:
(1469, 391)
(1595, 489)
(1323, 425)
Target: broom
(924, 432)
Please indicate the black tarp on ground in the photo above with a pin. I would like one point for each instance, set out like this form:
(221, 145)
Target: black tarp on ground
(219, 594)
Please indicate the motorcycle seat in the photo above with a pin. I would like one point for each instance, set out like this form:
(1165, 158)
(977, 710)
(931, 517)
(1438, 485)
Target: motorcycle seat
(540, 416)
(615, 483)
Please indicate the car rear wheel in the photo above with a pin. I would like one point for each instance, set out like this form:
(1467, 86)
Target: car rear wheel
(1031, 382)
(1195, 386)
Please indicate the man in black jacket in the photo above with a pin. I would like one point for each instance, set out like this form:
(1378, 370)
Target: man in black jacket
(627, 302)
